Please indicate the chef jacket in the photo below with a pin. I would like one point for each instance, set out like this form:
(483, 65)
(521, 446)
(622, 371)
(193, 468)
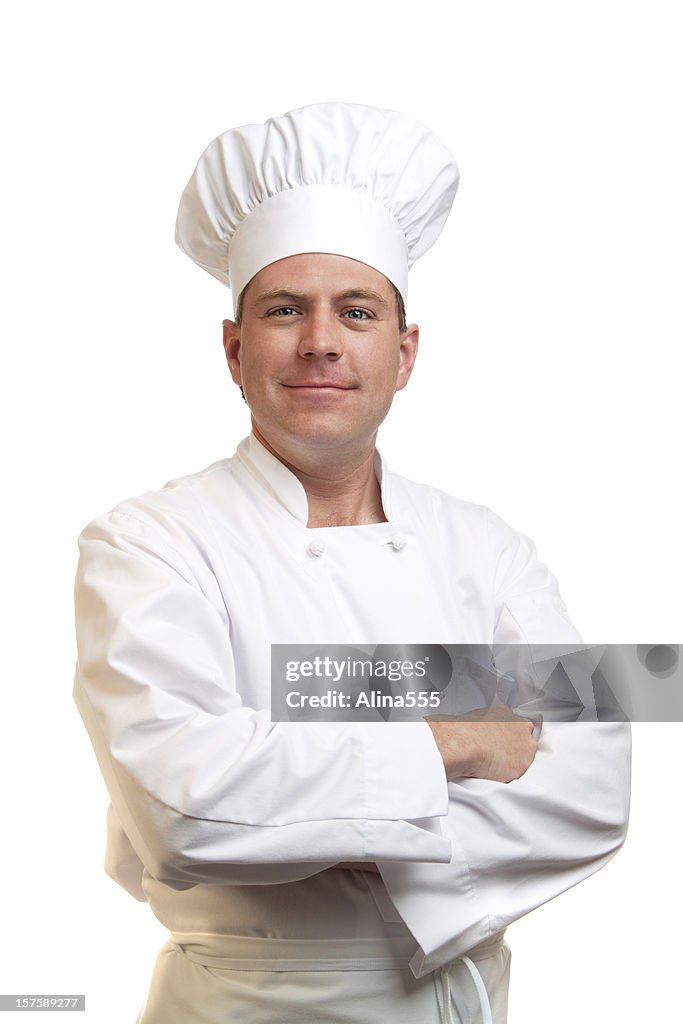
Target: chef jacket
(227, 822)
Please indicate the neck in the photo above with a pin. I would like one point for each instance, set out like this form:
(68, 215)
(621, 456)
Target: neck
(342, 490)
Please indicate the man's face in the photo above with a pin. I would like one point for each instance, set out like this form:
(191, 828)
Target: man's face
(319, 353)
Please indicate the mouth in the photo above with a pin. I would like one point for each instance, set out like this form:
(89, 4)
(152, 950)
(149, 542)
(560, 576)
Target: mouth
(320, 385)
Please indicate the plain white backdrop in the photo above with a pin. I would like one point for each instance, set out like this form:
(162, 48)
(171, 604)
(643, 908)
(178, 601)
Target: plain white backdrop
(548, 387)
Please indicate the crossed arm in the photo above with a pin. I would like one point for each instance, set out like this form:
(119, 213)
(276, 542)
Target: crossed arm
(493, 744)
(470, 824)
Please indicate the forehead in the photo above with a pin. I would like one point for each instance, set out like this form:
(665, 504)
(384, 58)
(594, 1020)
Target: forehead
(318, 273)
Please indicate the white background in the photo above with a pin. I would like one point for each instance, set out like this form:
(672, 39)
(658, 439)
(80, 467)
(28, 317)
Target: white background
(548, 387)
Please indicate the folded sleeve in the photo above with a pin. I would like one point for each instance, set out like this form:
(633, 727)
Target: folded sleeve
(518, 845)
(205, 789)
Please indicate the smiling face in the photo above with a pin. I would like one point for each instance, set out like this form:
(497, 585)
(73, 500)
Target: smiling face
(319, 354)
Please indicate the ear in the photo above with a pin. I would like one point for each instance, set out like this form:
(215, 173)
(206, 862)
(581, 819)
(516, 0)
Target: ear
(231, 347)
(407, 355)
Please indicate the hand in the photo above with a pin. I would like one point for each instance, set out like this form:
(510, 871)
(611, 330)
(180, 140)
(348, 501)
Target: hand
(488, 743)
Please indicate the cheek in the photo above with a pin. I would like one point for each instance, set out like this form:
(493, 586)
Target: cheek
(261, 357)
(251, 362)
(260, 369)
(386, 372)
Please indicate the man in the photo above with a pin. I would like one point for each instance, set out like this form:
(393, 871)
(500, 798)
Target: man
(324, 871)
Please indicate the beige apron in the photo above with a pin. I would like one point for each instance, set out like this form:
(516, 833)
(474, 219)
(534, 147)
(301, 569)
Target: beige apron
(214, 979)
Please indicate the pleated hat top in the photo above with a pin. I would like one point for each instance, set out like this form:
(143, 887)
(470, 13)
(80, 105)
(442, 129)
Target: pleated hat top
(370, 184)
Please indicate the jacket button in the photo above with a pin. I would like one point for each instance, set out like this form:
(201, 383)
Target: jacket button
(398, 543)
(316, 548)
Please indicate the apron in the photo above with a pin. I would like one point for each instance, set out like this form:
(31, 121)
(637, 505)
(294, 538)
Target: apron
(222, 979)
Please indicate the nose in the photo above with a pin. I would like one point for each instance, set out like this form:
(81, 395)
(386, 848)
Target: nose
(321, 336)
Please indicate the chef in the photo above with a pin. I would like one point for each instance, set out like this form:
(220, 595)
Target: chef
(312, 871)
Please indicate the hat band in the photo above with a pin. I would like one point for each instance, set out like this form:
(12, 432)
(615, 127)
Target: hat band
(319, 218)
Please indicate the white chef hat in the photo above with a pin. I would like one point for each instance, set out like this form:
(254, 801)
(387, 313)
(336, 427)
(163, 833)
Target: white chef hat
(374, 185)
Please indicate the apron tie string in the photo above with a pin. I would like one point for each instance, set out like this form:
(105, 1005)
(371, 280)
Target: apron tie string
(446, 1009)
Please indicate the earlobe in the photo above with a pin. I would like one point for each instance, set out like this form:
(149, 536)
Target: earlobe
(231, 347)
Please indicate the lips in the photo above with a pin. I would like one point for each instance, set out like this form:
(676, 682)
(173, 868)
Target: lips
(302, 385)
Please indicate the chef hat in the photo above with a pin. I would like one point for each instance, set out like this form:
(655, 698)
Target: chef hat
(374, 185)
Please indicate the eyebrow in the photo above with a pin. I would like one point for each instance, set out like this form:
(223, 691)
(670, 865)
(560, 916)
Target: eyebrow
(367, 294)
(364, 293)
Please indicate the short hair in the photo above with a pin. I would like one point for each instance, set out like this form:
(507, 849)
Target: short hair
(400, 308)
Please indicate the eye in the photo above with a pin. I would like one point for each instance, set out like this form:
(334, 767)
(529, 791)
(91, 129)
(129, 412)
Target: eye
(281, 311)
(357, 314)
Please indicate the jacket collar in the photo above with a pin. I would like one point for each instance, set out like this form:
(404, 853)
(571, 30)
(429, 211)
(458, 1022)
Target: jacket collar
(286, 488)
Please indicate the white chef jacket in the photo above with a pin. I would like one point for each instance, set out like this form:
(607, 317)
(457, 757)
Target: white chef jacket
(226, 822)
